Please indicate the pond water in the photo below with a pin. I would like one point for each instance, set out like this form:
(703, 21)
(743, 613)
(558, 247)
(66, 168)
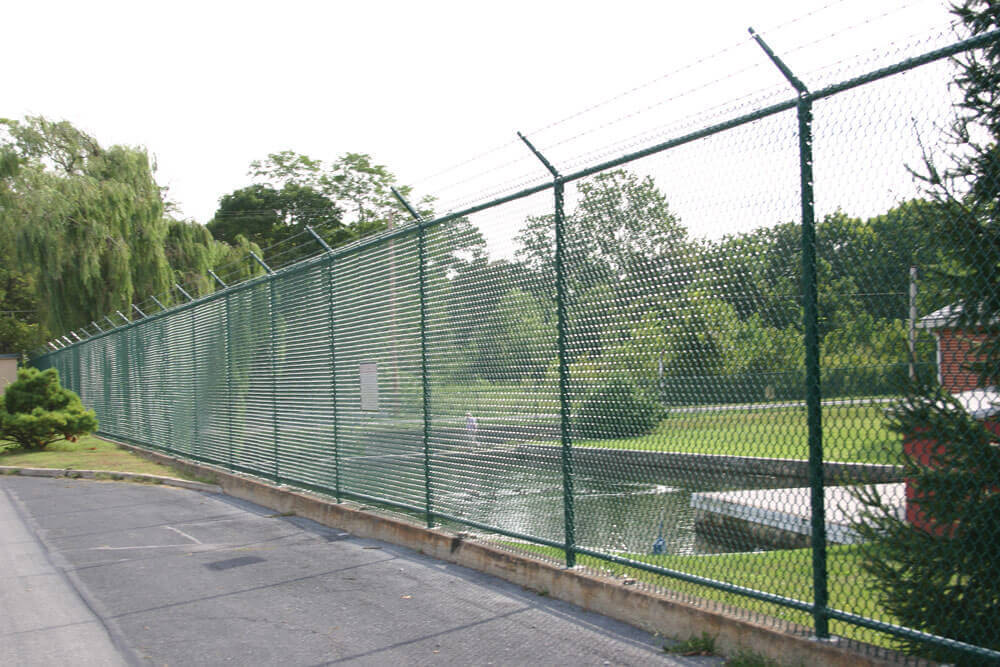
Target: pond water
(616, 509)
(611, 516)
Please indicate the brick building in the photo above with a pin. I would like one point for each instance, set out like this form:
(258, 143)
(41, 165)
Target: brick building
(954, 349)
(955, 345)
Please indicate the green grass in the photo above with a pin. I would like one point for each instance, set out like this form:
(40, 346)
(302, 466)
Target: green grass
(787, 573)
(696, 645)
(858, 433)
(88, 453)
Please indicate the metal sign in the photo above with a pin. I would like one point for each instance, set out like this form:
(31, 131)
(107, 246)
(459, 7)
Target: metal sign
(369, 386)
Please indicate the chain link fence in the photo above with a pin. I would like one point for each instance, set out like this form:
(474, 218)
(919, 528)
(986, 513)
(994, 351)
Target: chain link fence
(572, 371)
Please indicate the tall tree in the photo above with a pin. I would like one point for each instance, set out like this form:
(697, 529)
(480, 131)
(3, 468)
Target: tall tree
(84, 221)
(85, 225)
(346, 199)
(621, 228)
(265, 215)
(20, 328)
(192, 252)
(622, 239)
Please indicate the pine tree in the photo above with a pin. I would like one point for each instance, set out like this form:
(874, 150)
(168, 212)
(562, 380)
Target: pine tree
(940, 575)
(35, 411)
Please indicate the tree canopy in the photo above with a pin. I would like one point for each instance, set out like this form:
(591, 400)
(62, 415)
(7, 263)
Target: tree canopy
(20, 328)
(86, 224)
(84, 221)
(345, 200)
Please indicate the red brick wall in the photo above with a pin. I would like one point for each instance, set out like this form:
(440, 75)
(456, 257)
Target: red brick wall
(954, 356)
(955, 349)
(922, 447)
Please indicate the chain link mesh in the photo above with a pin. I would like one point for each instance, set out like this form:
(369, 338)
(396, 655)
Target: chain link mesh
(629, 393)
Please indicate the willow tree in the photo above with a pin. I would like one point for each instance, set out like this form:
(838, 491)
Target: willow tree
(192, 252)
(85, 222)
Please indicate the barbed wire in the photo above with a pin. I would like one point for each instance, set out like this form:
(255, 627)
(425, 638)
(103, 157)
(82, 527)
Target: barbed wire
(298, 245)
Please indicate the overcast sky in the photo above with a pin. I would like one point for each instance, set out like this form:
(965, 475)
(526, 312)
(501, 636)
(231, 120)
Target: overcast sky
(208, 86)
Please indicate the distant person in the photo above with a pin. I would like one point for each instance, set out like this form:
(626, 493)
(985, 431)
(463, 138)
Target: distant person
(471, 429)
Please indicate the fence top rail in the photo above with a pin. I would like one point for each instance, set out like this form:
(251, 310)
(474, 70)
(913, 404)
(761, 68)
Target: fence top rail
(905, 65)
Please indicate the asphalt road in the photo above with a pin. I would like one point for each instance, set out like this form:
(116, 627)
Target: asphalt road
(107, 573)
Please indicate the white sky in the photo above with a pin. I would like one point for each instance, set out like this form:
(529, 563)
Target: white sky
(208, 86)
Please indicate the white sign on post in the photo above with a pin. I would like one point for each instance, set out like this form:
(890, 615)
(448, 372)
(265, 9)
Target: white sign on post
(369, 386)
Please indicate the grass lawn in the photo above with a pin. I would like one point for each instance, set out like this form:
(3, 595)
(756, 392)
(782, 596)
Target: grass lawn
(89, 453)
(857, 433)
(787, 573)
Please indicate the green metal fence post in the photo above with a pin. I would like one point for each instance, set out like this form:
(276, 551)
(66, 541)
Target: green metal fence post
(125, 411)
(332, 316)
(229, 378)
(421, 286)
(813, 407)
(332, 319)
(565, 435)
(810, 315)
(273, 358)
(564, 403)
(78, 381)
(194, 385)
(274, 379)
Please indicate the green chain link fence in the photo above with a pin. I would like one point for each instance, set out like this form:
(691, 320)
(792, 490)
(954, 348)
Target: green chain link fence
(569, 371)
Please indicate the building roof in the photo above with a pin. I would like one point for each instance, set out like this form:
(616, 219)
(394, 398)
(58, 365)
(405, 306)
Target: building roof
(949, 317)
(942, 318)
(981, 404)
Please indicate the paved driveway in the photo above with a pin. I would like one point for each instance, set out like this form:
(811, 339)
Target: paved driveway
(105, 573)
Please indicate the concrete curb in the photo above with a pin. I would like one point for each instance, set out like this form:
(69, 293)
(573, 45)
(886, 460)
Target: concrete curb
(608, 596)
(110, 475)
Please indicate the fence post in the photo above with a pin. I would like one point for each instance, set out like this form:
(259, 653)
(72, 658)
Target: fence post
(421, 285)
(274, 378)
(78, 357)
(813, 406)
(332, 318)
(810, 315)
(333, 379)
(194, 385)
(274, 368)
(565, 436)
(229, 378)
